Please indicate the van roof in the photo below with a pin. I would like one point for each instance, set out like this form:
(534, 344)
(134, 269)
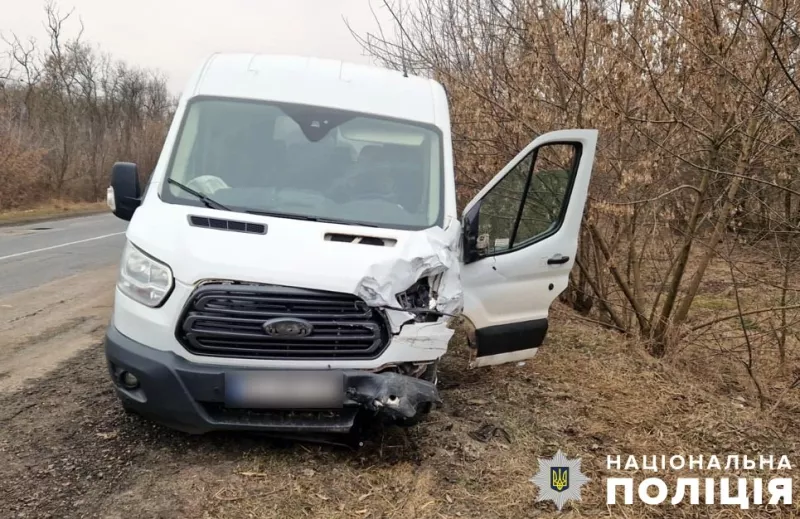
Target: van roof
(319, 82)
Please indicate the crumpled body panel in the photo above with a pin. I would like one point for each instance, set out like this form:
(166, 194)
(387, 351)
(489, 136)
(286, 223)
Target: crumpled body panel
(433, 253)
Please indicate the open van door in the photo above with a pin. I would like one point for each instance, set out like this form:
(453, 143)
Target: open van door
(520, 240)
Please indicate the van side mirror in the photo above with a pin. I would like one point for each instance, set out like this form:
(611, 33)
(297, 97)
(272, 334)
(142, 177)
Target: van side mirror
(124, 196)
(470, 234)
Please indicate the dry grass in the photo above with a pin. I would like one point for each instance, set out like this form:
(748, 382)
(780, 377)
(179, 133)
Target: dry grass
(53, 209)
(588, 392)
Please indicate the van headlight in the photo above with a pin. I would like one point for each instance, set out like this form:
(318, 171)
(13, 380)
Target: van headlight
(143, 278)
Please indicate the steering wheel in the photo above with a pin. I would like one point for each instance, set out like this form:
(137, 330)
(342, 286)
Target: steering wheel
(371, 194)
(388, 197)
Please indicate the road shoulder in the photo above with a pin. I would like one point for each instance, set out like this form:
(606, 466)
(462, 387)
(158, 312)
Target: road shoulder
(43, 326)
(46, 214)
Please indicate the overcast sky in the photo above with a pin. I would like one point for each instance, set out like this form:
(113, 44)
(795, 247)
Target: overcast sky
(175, 36)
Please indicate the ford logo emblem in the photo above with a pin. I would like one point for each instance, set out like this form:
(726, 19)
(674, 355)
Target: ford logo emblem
(288, 328)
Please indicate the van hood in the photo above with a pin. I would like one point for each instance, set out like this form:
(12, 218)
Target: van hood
(301, 254)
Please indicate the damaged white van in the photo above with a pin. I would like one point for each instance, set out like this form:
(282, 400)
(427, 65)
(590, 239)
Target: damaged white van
(296, 256)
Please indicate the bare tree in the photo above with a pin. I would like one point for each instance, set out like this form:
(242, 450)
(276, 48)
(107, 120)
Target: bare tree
(67, 112)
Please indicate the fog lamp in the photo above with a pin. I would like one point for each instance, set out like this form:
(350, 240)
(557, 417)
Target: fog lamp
(129, 380)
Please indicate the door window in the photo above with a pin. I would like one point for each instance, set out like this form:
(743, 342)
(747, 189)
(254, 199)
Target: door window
(529, 202)
(500, 208)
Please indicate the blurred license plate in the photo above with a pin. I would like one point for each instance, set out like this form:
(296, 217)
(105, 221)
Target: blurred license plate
(284, 390)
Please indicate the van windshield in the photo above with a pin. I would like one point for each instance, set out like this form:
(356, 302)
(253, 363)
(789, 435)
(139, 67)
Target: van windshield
(300, 161)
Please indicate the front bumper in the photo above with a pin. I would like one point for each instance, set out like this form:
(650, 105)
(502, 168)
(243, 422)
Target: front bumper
(190, 397)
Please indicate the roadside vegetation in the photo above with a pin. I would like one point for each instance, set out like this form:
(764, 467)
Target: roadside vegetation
(690, 238)
(67, 112)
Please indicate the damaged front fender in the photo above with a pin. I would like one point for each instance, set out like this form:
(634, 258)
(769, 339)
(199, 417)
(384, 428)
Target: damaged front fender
(432, 253)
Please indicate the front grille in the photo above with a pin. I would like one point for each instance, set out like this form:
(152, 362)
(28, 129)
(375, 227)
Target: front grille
(323, 421)
(227, 320)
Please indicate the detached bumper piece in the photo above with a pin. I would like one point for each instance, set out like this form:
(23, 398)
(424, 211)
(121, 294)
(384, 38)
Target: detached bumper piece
(395, 395)
(193, 398)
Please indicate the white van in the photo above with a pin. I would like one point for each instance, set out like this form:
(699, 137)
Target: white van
(296, 257)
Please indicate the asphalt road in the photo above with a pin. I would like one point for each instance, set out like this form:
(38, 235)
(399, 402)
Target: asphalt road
(37, 253)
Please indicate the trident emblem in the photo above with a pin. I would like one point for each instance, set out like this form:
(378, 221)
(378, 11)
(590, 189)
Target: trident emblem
(559, 478)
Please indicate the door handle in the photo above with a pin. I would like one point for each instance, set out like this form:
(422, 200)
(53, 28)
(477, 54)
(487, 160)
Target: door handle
(558, 259)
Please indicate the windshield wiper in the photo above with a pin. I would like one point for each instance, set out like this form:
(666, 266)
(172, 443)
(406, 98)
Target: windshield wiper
(208, 202)
(308, 218)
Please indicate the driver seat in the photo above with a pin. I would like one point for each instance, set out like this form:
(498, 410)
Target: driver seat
(371, 173)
